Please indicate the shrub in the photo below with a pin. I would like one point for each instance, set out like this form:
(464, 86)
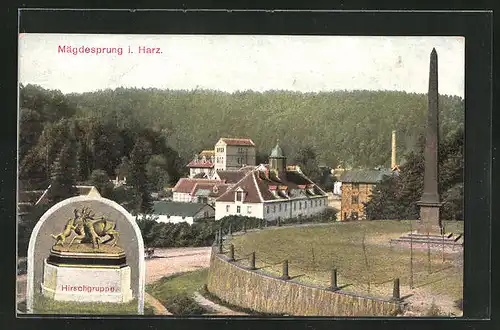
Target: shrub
(202, 233)
(183, 305)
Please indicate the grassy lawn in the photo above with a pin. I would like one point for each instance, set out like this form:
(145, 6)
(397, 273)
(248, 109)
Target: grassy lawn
(45, 305)
(313, 251)
(175, 292)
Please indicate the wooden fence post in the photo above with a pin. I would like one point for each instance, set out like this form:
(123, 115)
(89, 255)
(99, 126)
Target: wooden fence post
(395, 290)
(230, 233)
(244, 227)
(231, 252)
(252, 261)
(333, 280)
(220, 247)
(278, 222)
(285, 271)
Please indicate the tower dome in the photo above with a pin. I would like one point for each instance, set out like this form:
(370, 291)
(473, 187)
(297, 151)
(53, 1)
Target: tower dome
(277, 152)
(277, 159)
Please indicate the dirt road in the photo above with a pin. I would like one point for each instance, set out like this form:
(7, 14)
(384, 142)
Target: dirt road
(167, 262)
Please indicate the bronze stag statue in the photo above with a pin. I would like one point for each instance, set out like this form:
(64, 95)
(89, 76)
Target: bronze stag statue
(88, 229)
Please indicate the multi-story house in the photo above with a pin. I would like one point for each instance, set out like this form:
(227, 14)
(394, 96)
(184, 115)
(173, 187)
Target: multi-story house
(234, 153)
(357, 187)
(273, 192)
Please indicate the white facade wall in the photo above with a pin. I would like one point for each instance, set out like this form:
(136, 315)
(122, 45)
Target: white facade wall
(259, 210)
(294, 208)
(206, 212)
(196, 170)
(181, 197)
(223, 209)
(174, 219)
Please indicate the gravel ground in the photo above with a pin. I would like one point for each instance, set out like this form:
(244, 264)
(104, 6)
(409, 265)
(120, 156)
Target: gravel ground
(167, 262)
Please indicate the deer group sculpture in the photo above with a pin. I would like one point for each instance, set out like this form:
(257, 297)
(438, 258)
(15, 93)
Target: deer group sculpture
(88, 229)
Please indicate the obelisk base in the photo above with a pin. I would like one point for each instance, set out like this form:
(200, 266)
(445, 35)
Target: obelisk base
(429, 218)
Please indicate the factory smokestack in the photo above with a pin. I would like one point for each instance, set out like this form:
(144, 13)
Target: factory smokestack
(393, 156)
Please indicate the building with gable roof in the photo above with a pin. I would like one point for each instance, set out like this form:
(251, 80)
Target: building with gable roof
(272, 191)
(357, 188)
(202, 164)
(234, 153)
(183, 190)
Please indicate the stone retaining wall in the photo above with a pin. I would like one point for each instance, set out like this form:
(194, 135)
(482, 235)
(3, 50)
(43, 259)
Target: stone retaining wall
(267, 294)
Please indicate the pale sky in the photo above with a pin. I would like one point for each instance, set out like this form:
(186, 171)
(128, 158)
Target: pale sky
(243, 62)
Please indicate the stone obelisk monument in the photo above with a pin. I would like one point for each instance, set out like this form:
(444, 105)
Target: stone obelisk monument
(429, 202)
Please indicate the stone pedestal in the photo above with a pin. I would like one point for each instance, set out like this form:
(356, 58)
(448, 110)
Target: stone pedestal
(86, 277)
(429, 218)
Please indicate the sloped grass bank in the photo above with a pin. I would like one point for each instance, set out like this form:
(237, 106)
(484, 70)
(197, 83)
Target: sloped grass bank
(176, 292)
(313, 251)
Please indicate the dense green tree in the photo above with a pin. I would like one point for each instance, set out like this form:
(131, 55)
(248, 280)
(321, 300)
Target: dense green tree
(123, 169)
(139, 157)
(63, 183)
(156, 170)
(350, 126)
(326, 180)
(128, 197)
(82, 162)
(100, 180)
(396, 197)
(306, 158)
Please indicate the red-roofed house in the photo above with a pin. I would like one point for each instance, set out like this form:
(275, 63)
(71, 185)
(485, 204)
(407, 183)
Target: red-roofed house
(202, 163)
(183, 190)
(234, 153)
(272, 192)
(208, 192)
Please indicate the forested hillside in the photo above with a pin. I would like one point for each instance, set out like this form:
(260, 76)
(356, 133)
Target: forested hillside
(154, 133)
(350, 127)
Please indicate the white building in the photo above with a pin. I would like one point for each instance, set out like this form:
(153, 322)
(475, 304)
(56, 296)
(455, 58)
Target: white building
(176, 212)
(272, 192)
(234, 153)
(185, 188)
(203, 163)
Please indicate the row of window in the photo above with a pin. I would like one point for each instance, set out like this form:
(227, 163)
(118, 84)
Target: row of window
(315, 203)
(219, 149)
(238, 209)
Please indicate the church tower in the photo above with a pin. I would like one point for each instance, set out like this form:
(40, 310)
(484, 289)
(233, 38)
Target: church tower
(277, 159)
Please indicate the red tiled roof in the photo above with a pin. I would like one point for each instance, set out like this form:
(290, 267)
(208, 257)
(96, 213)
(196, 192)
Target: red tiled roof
(259, 184)
(220, 189)
(249, 185)
(231, 176)
(238, 142)
(186, 185)
(198, 186)
(217, 189)
(200, 164)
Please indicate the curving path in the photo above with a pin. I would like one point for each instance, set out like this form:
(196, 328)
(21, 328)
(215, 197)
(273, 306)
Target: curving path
(212, 306)
(167, 262)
